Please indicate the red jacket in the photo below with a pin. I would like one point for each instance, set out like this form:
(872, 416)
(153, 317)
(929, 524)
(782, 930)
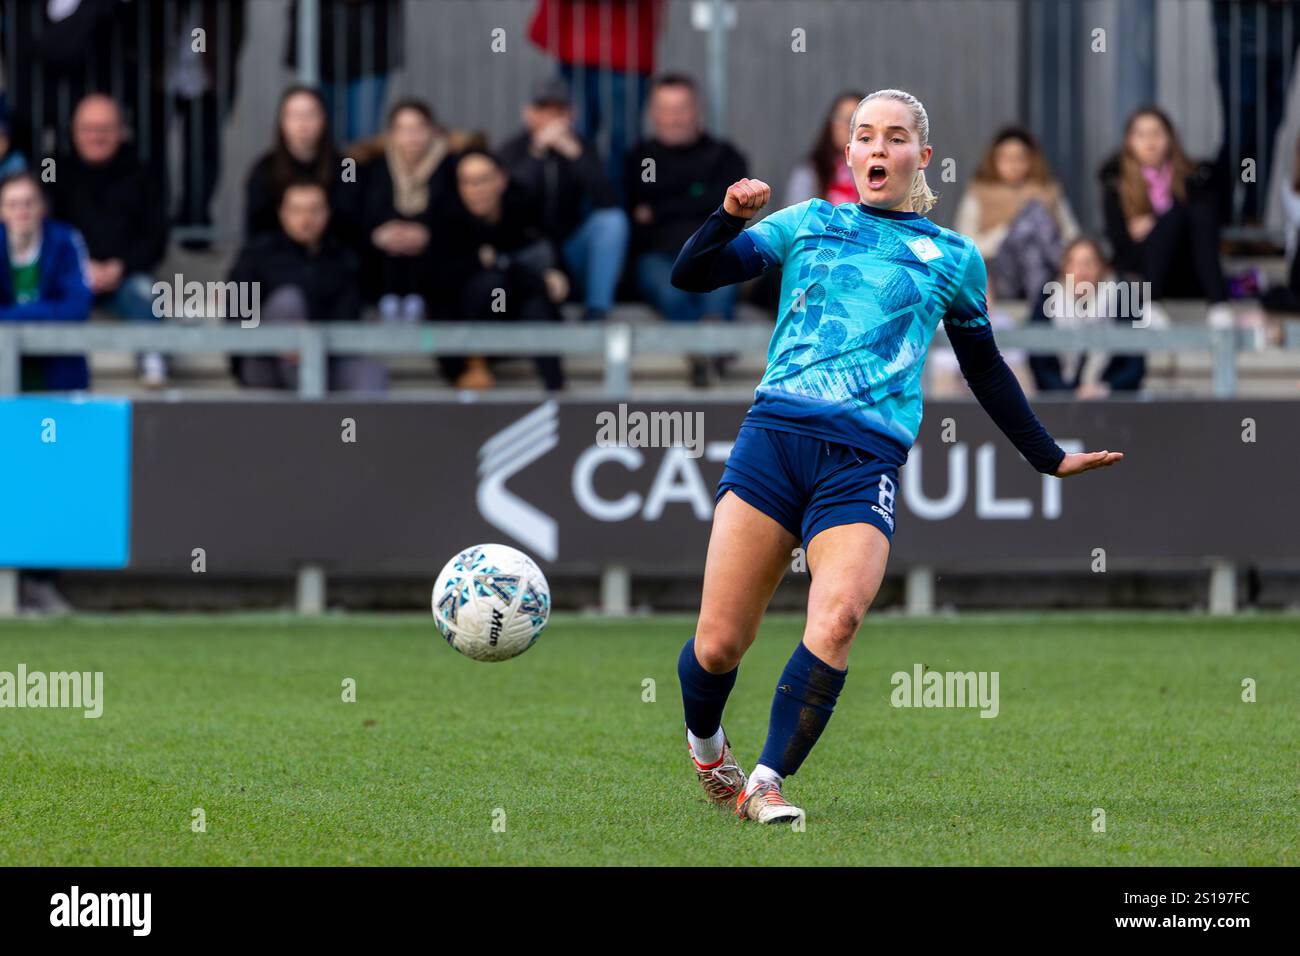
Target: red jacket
(572, 31)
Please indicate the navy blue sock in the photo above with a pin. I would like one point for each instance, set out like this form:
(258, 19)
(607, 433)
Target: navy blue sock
(804, 699)
(703, 694)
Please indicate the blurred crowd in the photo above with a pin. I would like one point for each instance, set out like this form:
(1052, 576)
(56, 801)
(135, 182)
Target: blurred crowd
(429, 223)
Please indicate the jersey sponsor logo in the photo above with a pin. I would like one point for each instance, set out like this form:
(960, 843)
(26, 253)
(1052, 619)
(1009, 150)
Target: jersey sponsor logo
(842, 231)
(923, 248)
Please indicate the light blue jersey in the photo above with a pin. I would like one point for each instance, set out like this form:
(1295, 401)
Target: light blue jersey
(862, 292)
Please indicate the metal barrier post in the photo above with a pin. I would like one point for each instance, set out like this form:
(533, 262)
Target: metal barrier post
(615, 590)
(311, 589)
(1223, 357)
(618, 358)
(312, 372)
(10, 362)
(718, 68)
(8, 592)
(309, 42)
(1223, 588)
(919, 591)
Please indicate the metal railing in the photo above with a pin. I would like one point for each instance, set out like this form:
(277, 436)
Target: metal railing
(618, 343)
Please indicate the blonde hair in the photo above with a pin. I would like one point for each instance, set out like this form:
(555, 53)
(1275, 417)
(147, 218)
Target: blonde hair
(920, 196)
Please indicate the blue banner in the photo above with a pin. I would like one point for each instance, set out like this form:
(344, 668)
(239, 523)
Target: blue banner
(65, 482)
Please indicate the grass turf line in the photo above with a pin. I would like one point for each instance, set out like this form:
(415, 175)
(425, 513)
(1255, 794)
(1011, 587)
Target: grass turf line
(1141, 716)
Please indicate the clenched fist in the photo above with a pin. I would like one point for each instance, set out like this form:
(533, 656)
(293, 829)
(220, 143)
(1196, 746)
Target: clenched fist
(746, 197)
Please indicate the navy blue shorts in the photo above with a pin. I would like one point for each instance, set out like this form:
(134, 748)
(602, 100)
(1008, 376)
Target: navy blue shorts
(808, 484)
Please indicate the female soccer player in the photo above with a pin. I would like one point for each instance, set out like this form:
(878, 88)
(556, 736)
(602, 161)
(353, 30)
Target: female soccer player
(863, 287)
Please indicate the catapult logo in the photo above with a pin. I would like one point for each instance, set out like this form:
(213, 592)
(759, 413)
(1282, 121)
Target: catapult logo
(673, 475)
(75, 908)
(504, 455)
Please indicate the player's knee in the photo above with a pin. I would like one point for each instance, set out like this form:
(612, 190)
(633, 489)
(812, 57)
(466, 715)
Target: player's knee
(841, 619)
(717, 650)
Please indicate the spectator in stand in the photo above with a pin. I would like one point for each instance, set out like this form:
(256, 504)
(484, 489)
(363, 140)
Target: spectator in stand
(579, 208)
(305, 274)
(607, 56)
(691, 169)
(1160, 215)
(58, 51)
(1017, 214)
(304, 149)
(1079, 301)
(114, 201)
(42, 279)
(404, 197)
(824, 173)
(497, 264)
(360, 42)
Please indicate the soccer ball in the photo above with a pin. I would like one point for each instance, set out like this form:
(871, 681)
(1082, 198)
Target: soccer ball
(491, 602)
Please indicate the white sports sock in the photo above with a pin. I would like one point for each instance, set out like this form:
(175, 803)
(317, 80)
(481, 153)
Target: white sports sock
(763, 774)
(707, 750)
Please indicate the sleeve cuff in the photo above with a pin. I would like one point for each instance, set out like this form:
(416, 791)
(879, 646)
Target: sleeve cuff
(736, 222)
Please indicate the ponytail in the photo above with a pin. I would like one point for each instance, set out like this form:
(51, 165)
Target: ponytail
(920, 195)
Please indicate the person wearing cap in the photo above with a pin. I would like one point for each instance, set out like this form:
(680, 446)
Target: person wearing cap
(579, 209)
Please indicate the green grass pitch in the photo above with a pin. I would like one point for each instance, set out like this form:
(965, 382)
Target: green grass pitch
(557, 758)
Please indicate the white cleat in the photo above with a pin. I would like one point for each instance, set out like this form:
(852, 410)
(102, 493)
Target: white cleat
(765, 804)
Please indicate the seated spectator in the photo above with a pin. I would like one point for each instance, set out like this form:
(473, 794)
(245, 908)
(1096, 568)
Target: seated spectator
(691, 170)
(304, 150)
(1080, 303)
(12, 161)
(305, 274)
(824, 173)
(42, 279)
(497, 265)
(579, 208)
(1160, 214)
(113, 200)
(404, 194)
(1018, 215)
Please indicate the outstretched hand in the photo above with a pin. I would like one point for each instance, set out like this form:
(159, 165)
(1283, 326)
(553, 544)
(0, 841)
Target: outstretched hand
(1079, 462)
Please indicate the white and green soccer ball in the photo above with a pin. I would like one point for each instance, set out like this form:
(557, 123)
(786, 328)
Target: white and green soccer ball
(491, 602)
